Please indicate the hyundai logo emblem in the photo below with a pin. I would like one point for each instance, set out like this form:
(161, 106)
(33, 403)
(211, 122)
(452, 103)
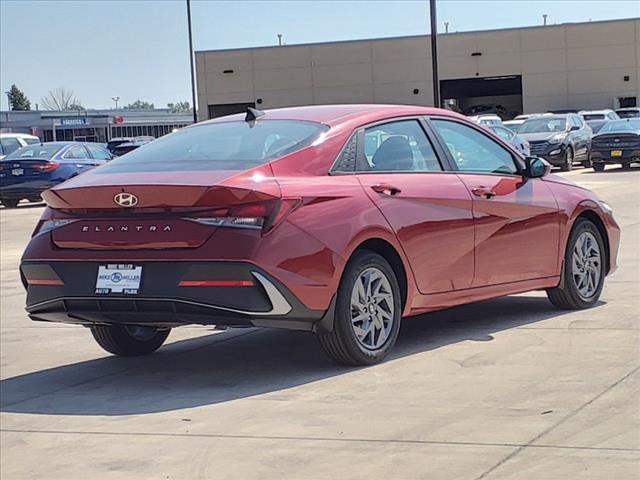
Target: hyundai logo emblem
(125, 199)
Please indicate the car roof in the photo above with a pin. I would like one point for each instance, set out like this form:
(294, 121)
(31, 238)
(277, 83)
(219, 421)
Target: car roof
(586, 112)
(17, 135)
(334, 115)
(550, 116)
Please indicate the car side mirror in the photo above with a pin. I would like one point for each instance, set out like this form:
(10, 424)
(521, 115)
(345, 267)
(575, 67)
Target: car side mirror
(574, 128)
(536, 167)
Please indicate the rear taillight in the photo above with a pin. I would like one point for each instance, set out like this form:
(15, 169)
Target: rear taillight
(263, 216)
(47, 167)
(45, 226)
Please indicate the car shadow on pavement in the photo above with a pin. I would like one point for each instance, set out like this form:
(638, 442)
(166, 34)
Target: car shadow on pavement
(240, 363)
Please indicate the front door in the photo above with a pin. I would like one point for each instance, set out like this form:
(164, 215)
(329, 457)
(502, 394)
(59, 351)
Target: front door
(517, 220)
(429, 209)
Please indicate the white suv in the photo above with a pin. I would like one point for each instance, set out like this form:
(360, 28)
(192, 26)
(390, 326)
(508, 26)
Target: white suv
(10, 142)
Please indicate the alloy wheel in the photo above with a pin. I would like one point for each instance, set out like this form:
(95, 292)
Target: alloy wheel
(586, 265)
(372, 307)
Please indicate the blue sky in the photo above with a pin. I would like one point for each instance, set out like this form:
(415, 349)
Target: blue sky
(139, 50)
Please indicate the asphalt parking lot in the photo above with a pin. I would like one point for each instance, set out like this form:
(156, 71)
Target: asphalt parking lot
(503, 389)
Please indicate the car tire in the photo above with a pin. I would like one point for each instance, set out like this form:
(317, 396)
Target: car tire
(583, 274)
(129, 340)
(369, 340)
(567, 164)
(36, 199)
(626, 166)
(587, 163)
(598, 167)
(10, 202)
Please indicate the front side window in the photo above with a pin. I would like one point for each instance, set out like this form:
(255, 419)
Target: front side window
(474, 151)
(220, 146)
(400, 146)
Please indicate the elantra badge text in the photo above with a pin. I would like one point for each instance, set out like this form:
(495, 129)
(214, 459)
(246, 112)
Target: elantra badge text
(126, 228)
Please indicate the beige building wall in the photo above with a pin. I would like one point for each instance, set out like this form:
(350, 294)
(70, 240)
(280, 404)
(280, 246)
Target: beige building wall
(585, 65)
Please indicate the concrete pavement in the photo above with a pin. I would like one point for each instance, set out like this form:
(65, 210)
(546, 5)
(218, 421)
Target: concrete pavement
(503, 389)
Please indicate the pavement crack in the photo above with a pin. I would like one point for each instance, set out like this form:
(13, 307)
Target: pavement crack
(313, 439)
(570, 415)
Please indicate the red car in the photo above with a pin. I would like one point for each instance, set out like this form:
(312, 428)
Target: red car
(339, 220)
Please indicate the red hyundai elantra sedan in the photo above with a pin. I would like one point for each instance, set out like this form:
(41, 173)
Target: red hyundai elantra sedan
(339, 220)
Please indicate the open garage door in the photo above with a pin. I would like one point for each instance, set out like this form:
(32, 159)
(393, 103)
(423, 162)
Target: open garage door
(222, 109)
(474, 96)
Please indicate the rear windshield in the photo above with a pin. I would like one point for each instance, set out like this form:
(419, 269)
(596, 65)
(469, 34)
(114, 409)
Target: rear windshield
(628, 113)
(32, 141)
(631, 125)
(220, 146)
(44, 152)
(593, 116)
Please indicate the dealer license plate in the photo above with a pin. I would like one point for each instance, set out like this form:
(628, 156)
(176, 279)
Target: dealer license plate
(616, 153)
(16, 172)
(118, 278)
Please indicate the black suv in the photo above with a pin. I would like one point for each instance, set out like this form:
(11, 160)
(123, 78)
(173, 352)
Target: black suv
(559, 139)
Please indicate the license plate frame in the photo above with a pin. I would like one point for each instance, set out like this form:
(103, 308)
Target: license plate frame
(616, 153)
(119, 278)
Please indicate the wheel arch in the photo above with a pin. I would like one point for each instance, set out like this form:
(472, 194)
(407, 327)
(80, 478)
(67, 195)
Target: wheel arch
(594, 218)
(387, 251)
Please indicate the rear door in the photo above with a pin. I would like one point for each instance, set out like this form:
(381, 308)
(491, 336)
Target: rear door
(429, 209)
(517, 220)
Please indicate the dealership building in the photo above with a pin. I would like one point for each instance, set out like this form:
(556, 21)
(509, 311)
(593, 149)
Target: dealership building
(93, 125)
(517, 70)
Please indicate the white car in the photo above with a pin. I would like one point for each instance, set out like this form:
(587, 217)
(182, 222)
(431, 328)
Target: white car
(486, 119)
(511, 137)
(605, 114)
(10, 142)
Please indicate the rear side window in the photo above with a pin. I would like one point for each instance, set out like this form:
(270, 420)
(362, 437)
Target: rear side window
(99, 153)
(220, 146)
(77, 152)
(400, 146)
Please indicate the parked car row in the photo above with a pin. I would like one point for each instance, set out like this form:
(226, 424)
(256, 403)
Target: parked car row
(593, 138)
(29, 166)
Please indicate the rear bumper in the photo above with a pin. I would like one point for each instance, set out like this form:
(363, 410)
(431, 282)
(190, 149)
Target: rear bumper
(65, 292)
(604, 156)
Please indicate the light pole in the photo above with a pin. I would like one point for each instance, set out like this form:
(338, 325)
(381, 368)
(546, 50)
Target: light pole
(8, 100)
(193, 78)
(434, 53)
(115, 99)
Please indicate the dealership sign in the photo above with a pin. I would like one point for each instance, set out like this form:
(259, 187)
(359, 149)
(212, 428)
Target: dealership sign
(71, 122)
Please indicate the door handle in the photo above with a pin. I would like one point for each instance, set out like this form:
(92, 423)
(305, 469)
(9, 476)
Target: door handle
(386, 189)
(483, 192)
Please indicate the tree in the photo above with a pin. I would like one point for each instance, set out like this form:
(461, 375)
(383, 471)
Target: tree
(140, 105)
(61, 99)
(179, 107)
(18, 99)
